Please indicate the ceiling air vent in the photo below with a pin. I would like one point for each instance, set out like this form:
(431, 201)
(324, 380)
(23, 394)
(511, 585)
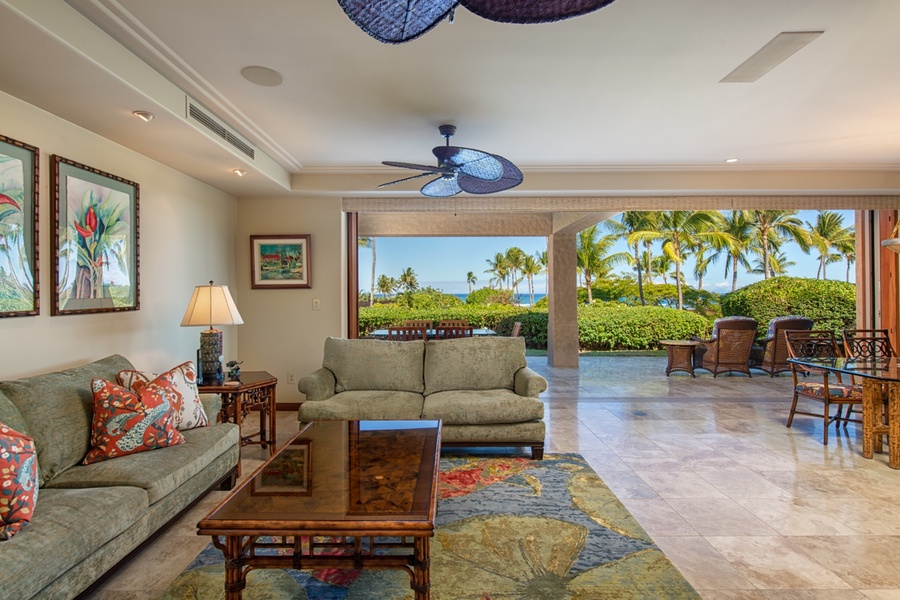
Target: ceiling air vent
(218, 128)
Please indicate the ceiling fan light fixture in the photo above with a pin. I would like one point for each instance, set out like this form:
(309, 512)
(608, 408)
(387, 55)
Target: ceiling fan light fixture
(461, 170)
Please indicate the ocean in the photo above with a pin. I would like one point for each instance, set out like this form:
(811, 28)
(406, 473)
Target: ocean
(523, 298)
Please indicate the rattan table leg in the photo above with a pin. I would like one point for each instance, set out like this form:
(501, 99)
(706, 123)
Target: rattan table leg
(894, 425)
(871, 406)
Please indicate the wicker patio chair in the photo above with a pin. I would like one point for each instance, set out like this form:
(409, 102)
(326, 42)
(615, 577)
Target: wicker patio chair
(448, 333)
(728, 350)
(819, 388)
(770, 354)
(406, 334)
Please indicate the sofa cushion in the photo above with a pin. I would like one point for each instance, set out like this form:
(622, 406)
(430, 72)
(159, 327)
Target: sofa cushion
(158, 472)
(477, 363)
(18, 481)
(126, 422)
(189, 411)
(375, 364)
(479, 407)
(68, 526)
(57, 409)
(10, 415)
(376, 404)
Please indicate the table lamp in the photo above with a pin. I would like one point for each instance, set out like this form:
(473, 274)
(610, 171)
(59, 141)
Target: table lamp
(211, 305)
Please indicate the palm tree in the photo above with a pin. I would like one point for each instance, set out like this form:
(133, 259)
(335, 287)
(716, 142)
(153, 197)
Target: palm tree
(471, 279)
(514, 259)
(386, 285)
(543, 259)
(629, 223)
(408, 281)
(829, 236)
(592, 256)
(369, 242)
(680, 230)
(499, 268)
(739, 224)
(778, 263)
(772, 224)
(530, 268)
(703, 257)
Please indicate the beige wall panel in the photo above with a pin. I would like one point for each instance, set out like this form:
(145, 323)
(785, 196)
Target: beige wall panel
(185, 237)
(449, 224)
(282, 334)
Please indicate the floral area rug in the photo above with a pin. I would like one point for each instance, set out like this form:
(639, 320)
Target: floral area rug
(507, 529)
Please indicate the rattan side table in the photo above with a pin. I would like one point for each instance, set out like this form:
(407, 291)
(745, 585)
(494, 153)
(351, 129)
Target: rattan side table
(680, 354)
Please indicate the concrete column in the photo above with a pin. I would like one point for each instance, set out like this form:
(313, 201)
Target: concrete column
(562, 328)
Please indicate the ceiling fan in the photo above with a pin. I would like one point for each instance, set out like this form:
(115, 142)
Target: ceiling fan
(461, 170)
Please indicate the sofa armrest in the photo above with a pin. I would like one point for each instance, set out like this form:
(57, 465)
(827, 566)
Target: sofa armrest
(528, 383)
(212, 405)
(318, 385)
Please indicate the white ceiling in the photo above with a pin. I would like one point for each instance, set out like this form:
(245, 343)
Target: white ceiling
(633, 85)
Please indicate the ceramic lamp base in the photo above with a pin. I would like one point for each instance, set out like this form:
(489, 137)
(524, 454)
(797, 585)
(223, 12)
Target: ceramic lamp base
(211, 356)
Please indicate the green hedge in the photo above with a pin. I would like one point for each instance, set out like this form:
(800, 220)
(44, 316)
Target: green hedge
(830, 304)
(613, 326)
(601, 326)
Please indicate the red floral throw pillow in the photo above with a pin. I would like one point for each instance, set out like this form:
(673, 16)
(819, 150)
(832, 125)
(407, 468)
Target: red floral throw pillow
(18, 481)
(127, 422)
(189, 411)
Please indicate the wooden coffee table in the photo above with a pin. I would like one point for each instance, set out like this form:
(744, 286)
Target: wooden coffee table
(340, 494)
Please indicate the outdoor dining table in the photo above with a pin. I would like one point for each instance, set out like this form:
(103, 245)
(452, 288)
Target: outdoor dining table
(877, 375)
(382, 334)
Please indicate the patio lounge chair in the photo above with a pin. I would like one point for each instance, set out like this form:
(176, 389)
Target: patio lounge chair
(728, 349)
(771, 354)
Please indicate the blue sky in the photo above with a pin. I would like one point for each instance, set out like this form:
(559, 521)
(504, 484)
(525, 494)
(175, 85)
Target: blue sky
(443, 262)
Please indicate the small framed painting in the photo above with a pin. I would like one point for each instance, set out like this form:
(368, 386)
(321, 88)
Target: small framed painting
(280, 261)
(95, 240)
(19, 291)
(288, 474)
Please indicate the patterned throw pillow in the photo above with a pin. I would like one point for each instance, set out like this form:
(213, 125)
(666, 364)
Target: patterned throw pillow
(189, 410)
(18, 481)
(127, 422)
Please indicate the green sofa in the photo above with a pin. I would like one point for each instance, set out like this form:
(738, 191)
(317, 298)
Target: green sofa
(480, 388)
(88, 518)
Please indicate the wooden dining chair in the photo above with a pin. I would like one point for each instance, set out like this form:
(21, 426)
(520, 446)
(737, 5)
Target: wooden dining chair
(453, 323)
(426, 323)
(867, 343)
(406, 334)
(818, 386)
(449, 333)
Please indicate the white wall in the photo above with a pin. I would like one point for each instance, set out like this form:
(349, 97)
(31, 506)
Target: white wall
(282, 334)
(186, 237)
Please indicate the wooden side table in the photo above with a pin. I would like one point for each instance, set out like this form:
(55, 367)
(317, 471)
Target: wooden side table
(680, 354)
(254, 392)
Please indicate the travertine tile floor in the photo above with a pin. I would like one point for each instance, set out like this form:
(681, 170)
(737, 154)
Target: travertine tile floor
(746, 508)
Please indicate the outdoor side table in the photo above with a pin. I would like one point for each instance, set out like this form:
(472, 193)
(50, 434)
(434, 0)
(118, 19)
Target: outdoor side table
(680, 354)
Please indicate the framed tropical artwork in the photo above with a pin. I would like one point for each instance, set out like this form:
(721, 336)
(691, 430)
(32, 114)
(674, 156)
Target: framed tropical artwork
(280, 261)
(96, 242)
(19, 165)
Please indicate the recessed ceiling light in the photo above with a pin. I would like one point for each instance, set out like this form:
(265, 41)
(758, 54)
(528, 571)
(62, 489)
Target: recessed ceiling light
(731, 160)
(239, 172)
(262, 76)
(144, 116)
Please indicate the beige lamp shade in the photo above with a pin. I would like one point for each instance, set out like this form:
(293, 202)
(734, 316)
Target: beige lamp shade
(211, 305)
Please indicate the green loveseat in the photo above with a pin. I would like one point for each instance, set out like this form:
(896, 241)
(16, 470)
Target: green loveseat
(88, 518)
(480, 388)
